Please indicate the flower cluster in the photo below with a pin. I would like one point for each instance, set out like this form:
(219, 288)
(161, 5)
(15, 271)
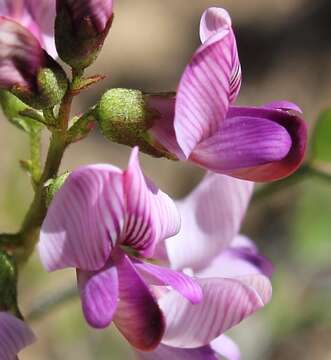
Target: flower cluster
(173, 276)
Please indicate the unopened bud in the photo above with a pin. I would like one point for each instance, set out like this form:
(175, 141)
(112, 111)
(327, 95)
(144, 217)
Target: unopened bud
(27, 70)
(80, 30)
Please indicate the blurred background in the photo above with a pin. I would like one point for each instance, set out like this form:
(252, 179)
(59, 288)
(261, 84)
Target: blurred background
(285, 50)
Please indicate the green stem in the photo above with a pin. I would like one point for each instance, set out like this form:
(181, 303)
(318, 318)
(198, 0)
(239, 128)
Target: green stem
(51, 303)
(304, 172)
(35, 156)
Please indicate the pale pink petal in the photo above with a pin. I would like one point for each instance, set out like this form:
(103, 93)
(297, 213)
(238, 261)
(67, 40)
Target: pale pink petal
(203, 93)
(243, 142)
(213, 21)
(21, 56)
(15, 335)
(225, 303)
(84, 220)
(226, 347)
(43, 14)
(151, 214)
(99, 295)
(162, 276)
(234, 262)
(164, 352)
(138, 316)
(211, 218)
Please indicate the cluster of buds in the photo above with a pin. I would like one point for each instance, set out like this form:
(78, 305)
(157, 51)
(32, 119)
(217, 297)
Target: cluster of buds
(108, 223)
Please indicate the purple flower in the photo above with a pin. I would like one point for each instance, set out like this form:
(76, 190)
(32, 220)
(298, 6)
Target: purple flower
(80, 30)
(15, 335)
(233, 276)
(201, 125)
(37, 16)
(95, 13)
(103, 222)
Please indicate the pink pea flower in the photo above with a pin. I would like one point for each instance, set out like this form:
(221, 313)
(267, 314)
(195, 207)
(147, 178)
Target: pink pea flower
(201, 125)
(233, 276)
(102, 222)
(15, 335)
(37, 16)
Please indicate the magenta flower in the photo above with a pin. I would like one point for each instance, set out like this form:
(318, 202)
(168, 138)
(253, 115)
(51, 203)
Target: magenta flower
(233, 276)
(95, 13)
(201, 125)
(37, 16)
(81, 28)
(102, 222)
(15, 335)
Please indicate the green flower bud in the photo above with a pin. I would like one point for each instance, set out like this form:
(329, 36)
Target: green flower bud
(124, 117)
(53, 186)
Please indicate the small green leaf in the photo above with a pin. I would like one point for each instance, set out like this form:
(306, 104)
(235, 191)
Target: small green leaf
(321, 139)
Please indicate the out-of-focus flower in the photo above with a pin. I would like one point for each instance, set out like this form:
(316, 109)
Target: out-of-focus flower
(233, 276)
(26, 69)
(102, 222)
(201, 125)
(37, 16)
(15, 335)
(81, 28)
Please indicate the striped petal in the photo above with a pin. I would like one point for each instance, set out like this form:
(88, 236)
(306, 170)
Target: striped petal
(211, 218)
(164, 352)
(161, 276)
(243, 142)
(213, 21)
(138, 316)
(97, 12)
(85, 220)
(297, 130)
(151, 215)
(225, 303)
(203, 93)
(226, 347)
(21, 56)
(99, 295)
(15, 335)
(237, 261)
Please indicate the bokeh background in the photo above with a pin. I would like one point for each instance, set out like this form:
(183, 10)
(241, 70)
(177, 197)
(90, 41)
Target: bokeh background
(285, 50)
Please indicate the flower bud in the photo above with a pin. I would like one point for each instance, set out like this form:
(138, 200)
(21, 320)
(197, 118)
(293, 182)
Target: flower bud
(26, 69)
(124, 117)
(80, 30)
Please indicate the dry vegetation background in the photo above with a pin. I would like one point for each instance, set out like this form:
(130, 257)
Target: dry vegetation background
(285, 49)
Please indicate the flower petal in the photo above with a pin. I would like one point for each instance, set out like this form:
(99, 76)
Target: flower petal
(15, 335)
(226, 347)
(283, 105)
(296, 128)
(203, 93)
(84, 220)
(211, 218)
(213, 21)
(234, 262)
(21, 55)
(99, 295)
(43, 16)
(161, 276)
(151, 214)
(164, 352)
(225, 303)
(138, 316)
(243, 142)
(97, 11)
